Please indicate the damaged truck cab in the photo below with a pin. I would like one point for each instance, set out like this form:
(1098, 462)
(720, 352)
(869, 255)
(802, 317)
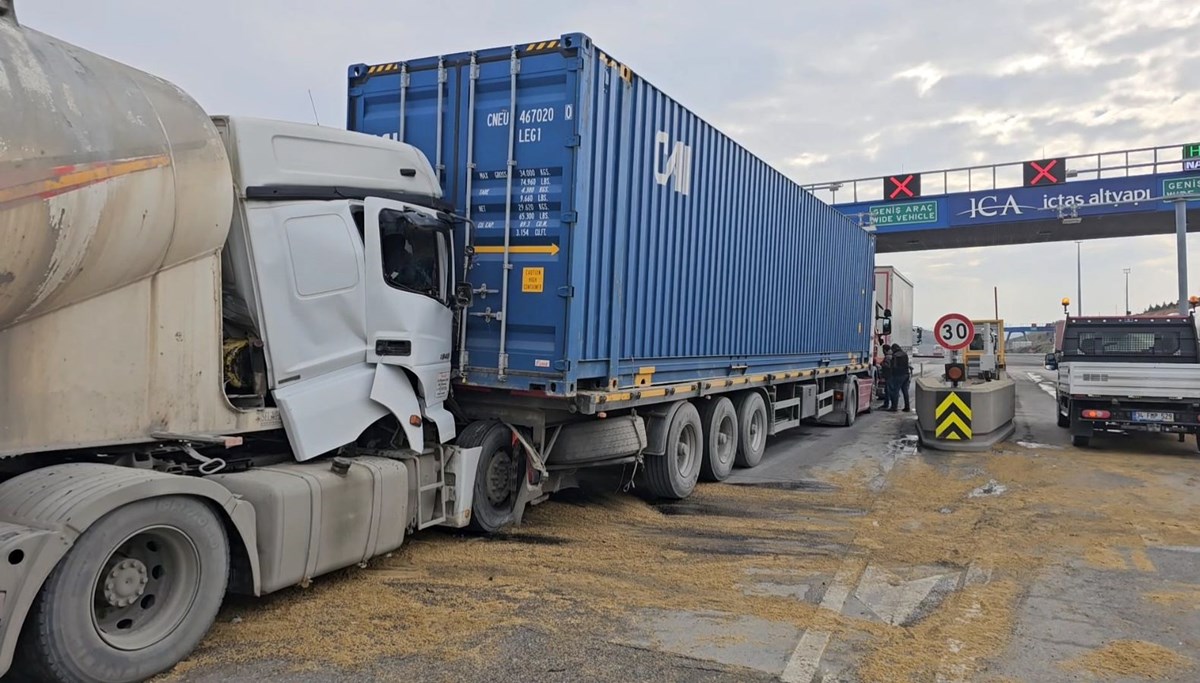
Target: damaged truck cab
(220, 340)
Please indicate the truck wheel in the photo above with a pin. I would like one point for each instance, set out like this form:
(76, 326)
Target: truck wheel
(132, 598)
(752, 429)
(1064, 421)
(850, 403)
(673, 474)
(1079, 441)
(719, 423)
(498, 479)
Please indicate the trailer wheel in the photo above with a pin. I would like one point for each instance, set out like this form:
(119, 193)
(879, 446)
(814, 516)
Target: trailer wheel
(752, 429)
(132, 598)
(498, 478)
(673, 474)
(718, 420)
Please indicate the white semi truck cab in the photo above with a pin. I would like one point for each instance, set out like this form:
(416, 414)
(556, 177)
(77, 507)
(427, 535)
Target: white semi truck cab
(224, 355)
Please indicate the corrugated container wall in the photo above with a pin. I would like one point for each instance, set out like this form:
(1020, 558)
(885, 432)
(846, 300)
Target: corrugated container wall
(639, 236)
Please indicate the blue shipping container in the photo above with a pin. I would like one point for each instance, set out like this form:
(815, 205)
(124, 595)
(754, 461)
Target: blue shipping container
(646, 246)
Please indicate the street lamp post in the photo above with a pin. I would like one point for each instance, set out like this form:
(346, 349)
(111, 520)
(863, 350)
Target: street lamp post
(1127, 311)
(1078, 279)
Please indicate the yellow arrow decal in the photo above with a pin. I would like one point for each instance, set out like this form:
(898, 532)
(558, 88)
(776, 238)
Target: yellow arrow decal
(551, 249)
(953, 401)
(953, 421)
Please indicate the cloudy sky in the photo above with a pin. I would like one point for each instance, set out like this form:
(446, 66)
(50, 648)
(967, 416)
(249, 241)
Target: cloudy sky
(822, 90)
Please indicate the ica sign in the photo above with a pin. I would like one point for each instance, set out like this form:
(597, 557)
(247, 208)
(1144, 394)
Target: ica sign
(992, 206)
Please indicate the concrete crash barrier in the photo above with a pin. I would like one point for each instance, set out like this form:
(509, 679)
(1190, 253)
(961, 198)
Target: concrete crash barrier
(970, 417)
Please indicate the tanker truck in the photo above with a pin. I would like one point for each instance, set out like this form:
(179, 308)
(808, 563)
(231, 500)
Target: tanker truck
(237, 354)
(192, 310)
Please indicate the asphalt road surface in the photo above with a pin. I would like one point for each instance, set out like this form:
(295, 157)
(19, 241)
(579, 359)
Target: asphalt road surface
(848, 555)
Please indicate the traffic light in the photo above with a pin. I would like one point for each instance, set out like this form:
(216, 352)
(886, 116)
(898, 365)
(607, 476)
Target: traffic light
(900, 187)
(1045, 172)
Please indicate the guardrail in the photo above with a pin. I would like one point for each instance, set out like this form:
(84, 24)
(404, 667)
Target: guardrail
(1119, 164)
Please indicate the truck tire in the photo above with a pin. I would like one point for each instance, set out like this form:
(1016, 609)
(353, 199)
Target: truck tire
(718, 421)
(132, 598)
(850, 403)
(498, 478)
(598, 440)
(1080, 441)
(673, 474)
(752, 429)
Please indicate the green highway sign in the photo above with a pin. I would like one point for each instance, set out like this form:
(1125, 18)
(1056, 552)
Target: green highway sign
(1191, 157)
(905, 213)
(1176, 187)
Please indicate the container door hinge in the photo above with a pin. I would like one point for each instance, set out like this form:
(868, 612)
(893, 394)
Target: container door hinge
(566, 291)
(573, 141)
(569, 217)
(562, 365)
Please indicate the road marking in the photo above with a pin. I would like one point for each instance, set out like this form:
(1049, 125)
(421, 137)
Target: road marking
(1043, 384)
(802, 665)
(955, 666)
(892, 598)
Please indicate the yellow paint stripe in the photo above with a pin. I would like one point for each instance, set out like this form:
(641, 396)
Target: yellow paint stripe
(953, 421)
(953, 401)
(653, 393)
(81, 176)
(550, 249)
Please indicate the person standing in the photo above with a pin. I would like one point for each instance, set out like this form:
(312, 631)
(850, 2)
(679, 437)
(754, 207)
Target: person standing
(901, 377)
(885, 373)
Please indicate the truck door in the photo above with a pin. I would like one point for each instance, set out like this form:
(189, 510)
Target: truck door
(409, 282)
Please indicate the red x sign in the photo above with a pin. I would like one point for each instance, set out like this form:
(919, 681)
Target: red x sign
(897, 187)
(1045, 172)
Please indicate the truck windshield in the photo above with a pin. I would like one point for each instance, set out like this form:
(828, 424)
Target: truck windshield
(414, 251)
(1173, 343)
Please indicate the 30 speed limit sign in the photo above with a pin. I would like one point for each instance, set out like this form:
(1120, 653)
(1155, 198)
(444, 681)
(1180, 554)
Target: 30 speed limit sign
(954, 331)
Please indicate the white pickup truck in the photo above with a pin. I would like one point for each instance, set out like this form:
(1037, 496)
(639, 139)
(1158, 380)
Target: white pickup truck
(1126, 374)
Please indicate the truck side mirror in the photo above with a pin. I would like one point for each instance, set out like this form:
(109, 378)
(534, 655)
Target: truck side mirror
(886, 326)
(1051, 361)
(464, 296)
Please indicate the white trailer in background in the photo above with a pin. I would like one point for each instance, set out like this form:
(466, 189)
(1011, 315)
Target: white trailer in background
(894, 293)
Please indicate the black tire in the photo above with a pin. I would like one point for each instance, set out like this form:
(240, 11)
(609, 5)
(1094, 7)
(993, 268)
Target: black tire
(718, 421)
(752, 429)
(1198, 442)
(498, 477)
(673, 475)
(132, 597)
(850, 403)
(1080, 441)
(596, 441)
